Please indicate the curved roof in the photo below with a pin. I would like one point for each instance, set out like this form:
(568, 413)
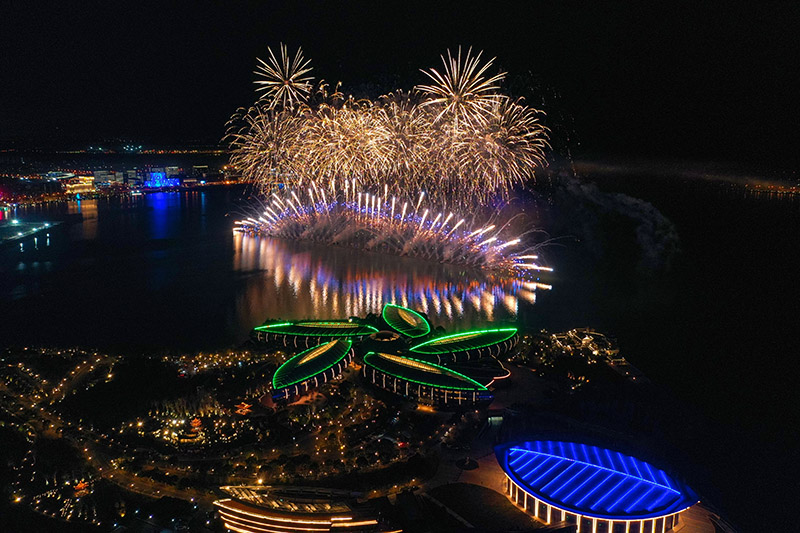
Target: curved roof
(405, 321)
(319, 328)
(593, 481)
(422, 372)
(309, 363)
(466, 340)
(292, 499)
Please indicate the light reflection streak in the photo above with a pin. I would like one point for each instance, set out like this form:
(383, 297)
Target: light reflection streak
(293, 280)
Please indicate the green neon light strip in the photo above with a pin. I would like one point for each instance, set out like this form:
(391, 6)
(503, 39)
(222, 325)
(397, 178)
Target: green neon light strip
(445, 370)
(315, 324)
(363, 329)
(438, 340)
(405, 327)
(267, 326)
(285, 365)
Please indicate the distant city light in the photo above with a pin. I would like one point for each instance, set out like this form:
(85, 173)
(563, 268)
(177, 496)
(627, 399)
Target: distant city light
(159, 180)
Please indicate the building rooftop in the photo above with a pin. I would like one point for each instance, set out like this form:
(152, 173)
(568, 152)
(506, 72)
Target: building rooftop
(311, 362)
(421, 372)
(306, 500)
(592, 481)
(319, 328)
(464, 341)
(405, 321)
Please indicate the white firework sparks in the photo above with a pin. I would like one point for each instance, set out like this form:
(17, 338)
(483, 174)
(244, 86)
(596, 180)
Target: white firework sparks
(349, 216)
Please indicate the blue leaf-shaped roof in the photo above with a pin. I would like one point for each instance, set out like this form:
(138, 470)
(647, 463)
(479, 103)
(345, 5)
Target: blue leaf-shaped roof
(593, 481)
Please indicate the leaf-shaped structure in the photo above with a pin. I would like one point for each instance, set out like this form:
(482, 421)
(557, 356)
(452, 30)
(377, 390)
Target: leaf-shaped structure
(467, 345)
(592, 481)
(405, 321)
(421, 372)
(320, 362)
(318, 328)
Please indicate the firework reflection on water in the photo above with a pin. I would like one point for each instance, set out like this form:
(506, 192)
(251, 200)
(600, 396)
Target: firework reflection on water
(293, 280)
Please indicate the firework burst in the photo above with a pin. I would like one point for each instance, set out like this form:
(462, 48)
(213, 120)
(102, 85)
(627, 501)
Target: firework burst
(341, 170)
(463, 93)
(458, 137)
(284, 80)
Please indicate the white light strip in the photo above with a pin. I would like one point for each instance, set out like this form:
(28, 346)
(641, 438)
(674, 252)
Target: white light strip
(354, 524)
(549, 506)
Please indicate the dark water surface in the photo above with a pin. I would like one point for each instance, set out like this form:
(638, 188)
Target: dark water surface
(705, 300)
(166, 271)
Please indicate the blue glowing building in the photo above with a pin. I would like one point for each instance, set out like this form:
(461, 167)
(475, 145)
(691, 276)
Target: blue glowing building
(159, 180)
(599, 490)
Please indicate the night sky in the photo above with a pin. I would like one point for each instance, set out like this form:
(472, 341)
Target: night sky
(657, 80)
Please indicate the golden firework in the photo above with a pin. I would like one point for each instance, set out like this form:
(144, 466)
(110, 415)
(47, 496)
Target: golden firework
(283, 79)
(459, 139)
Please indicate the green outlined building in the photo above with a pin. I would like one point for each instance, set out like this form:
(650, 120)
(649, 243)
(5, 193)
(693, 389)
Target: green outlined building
(311, 368)
(427, 383)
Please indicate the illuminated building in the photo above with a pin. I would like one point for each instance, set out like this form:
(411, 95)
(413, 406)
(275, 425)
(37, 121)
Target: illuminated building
(426, 383)
(132, 178)
(311, 368)
(467, 345)
(80, 185)
(56, 175)
(405, 321)
(243, 408)
(81, 489)
(383, 341)
(186, 436)
(598, 490)
(105, 178)
(264, 509)
(308, 333)
(158, 180)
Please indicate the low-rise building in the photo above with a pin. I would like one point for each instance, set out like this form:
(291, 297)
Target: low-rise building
(308, 333)
(265, 509)
(596, 489)
(311, 368)
(467, 345)
(424, 382)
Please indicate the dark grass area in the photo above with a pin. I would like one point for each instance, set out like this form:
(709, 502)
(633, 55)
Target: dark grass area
(483, 508)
